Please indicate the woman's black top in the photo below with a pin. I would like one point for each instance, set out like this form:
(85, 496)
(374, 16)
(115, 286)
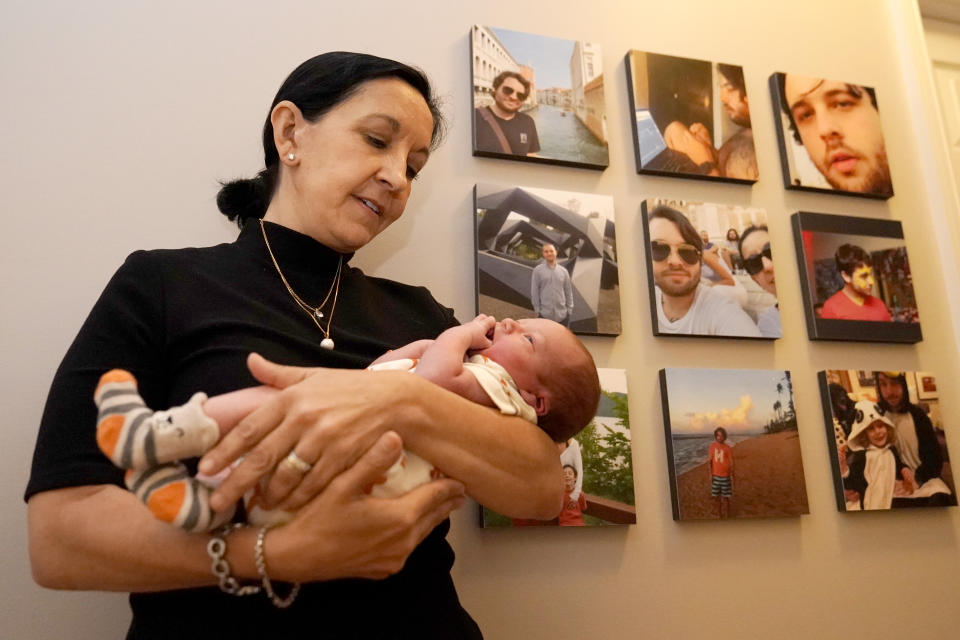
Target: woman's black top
(184, 321)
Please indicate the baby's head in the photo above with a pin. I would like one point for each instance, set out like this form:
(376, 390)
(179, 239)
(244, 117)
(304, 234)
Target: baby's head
(553, 370)
(871, 427)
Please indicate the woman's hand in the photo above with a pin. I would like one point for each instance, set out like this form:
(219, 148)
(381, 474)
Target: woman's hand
(328, 417)
(345, 533)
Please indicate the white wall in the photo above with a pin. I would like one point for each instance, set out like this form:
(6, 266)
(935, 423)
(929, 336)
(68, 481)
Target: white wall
(119, 117)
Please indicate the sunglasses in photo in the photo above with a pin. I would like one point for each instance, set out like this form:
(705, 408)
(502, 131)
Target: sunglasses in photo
(508, 91)
(660, 251)
(754, 264)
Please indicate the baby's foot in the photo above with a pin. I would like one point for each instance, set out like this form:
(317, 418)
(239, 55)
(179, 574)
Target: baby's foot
(134, 437)
(173, 496)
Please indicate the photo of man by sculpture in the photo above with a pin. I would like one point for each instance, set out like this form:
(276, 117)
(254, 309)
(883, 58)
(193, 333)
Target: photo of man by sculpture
(703, 284)
(691, 118)
(538, 98)
(549, 254)
(887, 440)
(830, 136)
(856, 276)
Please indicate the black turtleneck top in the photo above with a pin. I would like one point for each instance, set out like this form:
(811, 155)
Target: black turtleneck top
(183, 321)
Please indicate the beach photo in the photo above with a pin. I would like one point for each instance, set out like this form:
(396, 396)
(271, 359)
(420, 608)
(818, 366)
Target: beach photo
(885, 432)
(597, 467)
(549, 254)
(691, 118)
(538, 99)
(710, 270)
(856, 279)
(732, 444)
(830, 136)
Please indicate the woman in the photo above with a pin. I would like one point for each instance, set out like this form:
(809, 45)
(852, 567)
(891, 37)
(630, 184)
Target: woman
(345, 136)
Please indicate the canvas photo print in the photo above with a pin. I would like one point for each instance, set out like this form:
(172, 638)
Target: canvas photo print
(830, 136)
(856, 279)
(691, 118)
(710, 270)
(548, 254)
(885, 431)
(538, 98)
(597, 467)
(732, 444)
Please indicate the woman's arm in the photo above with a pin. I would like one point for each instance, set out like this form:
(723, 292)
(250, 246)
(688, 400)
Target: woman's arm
(101, 537)
(327, 415)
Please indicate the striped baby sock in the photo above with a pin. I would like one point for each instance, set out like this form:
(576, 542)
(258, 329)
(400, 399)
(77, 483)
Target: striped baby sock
(134, 437)
(175, 497)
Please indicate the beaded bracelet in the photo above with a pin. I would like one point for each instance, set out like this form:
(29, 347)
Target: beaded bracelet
(261, 562)
(217, 550)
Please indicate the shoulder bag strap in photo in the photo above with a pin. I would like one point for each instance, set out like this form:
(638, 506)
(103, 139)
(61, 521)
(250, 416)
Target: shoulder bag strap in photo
(492, 121)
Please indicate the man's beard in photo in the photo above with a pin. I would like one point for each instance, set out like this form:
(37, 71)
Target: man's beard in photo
(877, 181)
(680, 290)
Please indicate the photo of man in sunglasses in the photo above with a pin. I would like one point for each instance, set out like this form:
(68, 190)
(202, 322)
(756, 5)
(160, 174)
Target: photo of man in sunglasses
(758, 262)
(684, 304)
(500, 127)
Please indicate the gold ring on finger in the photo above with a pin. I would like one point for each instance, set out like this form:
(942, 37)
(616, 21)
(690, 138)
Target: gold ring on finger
(296, 463)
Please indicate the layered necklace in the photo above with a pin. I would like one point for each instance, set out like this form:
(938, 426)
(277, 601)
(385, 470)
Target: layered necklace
(316, 313)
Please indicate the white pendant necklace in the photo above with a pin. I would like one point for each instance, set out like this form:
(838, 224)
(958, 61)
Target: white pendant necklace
(315, 313)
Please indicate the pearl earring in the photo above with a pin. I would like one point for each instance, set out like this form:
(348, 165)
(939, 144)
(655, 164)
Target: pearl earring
(290, 156)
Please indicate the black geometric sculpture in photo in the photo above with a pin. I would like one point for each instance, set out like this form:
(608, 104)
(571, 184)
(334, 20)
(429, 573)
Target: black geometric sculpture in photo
(508, 249)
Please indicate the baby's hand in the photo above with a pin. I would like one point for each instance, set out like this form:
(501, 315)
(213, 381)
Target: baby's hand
(481, 331)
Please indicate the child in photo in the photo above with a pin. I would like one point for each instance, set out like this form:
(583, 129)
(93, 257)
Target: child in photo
(721, 472)
(573, 508)
(873, 472)
(532, 368)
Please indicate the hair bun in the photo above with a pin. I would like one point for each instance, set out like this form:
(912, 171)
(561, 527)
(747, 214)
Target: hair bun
(245, 198)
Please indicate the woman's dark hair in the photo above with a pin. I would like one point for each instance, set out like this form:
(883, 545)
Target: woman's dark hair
(317, 86)
(747, 232)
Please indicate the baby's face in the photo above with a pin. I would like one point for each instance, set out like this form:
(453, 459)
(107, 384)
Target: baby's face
(877, 434)
(530, 349)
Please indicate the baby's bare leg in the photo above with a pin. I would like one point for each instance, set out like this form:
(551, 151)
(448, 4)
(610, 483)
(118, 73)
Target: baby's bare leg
(228, 409)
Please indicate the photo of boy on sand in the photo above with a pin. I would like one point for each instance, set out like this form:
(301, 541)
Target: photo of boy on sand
(733, 449)
(720, 458)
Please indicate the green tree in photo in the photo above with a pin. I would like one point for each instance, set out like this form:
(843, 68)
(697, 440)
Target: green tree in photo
(607, 458)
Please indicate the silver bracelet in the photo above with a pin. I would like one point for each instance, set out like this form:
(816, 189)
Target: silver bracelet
(217, 550)
(261, 562)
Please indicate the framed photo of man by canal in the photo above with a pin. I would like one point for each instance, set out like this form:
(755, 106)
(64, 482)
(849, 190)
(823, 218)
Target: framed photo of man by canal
(732, 444)
(699, 283)
(690, 118)
(830, 136)
(856, 279)
(548, 254)
(597, 467)
(538, 99)
(887, 444)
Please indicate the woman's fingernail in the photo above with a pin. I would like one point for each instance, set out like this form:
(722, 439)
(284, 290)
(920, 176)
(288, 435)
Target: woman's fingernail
(205, 466)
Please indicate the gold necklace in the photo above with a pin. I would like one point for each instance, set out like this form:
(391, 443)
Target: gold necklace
(315, 313)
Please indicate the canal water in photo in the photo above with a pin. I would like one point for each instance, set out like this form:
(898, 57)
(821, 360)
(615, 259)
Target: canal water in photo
(564, 137)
